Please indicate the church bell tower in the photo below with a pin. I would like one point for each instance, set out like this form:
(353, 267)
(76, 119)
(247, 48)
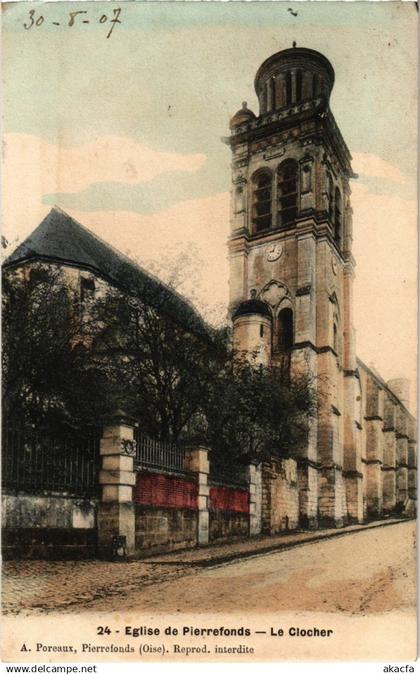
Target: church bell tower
(291, 265)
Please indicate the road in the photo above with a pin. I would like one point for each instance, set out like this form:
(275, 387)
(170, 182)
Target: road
(370, 571)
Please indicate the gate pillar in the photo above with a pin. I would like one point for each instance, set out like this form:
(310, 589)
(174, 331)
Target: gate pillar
(196, 461)
(116, 515)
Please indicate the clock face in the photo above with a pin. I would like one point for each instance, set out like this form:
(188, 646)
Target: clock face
(273, 252)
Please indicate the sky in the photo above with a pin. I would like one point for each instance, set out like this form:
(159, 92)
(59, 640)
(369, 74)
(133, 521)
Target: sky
(124, 133)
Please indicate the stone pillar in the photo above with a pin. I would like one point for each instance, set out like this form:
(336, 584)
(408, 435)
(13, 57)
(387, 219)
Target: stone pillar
(305, 310)
(255, 498)
(402, 469)
(304, 359)
(352, 446)
(308, 493)
(374, 461)
(332, 487)
(389, 483)
(412, 461)
(196, 461)
(238, 275)
(116, 517)
(402, 428)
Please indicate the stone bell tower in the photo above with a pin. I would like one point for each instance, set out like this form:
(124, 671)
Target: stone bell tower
(291, 266)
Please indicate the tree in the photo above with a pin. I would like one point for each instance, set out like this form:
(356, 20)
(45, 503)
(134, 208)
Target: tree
(162, 370)
(258, 411)
(50, 378)
(71, 361)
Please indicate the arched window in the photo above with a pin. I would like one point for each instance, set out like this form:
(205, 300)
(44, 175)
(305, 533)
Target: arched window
(287, 188)
(285, 329)
(314, 85)
(330, 197)
(262, 201)
(298, 86)
(337, 215)
(262, 95)
(288, 88)
(273, 93)
(267, 97)
(335, 338)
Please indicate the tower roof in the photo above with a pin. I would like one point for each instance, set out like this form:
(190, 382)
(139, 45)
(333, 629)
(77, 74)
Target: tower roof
(252, 306)
(60, 239)
(295, 56)
(243, 115)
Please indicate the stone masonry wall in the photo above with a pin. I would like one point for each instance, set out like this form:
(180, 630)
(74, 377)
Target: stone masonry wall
(160, 529)
(332, 498)
(280, 499)
(37, 526)
(227, 525)
(308, 496)
(228, 512)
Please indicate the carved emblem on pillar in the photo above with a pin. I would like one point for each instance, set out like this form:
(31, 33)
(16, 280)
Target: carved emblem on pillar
(128, 447)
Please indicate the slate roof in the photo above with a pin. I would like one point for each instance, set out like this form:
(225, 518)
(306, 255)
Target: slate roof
(61, 239)
(252, 306)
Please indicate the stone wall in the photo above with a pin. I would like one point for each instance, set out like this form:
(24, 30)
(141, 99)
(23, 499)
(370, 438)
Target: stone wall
(332, 498)
(166, 512)
(228, 512)
(48, 526)
(160, 529)
(280, 496)
(226, 525)
(308, 495)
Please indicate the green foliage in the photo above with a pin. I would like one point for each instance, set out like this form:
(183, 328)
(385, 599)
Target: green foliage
(257, 411)
(68, 362)
(162, 372)
(49, 377)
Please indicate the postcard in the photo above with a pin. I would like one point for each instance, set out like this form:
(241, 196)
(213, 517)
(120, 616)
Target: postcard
(209, 438)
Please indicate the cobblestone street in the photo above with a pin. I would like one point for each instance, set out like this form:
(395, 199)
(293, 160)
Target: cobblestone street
(370, 570)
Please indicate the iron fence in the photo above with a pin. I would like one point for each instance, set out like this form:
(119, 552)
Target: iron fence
(34, 462)
(158, 455)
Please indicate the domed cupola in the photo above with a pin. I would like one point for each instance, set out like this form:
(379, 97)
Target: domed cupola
(292, 76)
(243, 116)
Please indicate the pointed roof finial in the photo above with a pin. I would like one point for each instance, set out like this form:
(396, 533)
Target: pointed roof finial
(244, 105)
(294, 43)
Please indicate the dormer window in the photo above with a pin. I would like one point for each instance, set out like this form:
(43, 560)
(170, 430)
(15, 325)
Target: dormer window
(87, 290)
(262, 201)
(287, 187)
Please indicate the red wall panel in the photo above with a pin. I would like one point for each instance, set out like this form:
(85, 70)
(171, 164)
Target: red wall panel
(229, 498)
(155, 489)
